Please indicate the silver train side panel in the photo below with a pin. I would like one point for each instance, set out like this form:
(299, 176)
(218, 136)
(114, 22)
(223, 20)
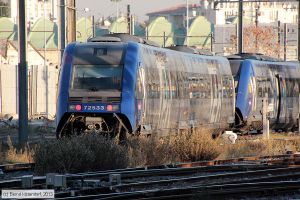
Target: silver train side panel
(280, 80)
(180, 90)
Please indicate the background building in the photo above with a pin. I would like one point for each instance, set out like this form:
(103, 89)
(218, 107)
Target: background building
(35, 10)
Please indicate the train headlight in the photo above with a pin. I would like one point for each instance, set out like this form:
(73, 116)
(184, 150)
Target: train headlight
(109, 107)
(112, 107)
(78, 107)
(115, 107)
(71, 107)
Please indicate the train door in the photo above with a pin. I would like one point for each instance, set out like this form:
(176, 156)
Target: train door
(292, 96)
(281, 87)
(215, 99)
(164, 105)
(274, 99)
(227, 111)
(140, 95)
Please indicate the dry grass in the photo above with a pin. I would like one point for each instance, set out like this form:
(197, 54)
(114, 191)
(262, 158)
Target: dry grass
(245, 148)
(93, 152)
(2, 154)
(79, 154)
(196, 146)
(149, 151)
(13, 155)
(183, 147)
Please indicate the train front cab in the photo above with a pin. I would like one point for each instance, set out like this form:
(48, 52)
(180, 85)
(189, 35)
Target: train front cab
(96, 89)
(245, 93)
(279, 81)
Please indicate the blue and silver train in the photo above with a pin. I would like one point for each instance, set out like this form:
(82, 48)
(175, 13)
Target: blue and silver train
(110, 86)
(115, 86)
(257, 78)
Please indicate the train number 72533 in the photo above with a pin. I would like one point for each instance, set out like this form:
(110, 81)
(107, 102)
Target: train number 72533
(93, 107)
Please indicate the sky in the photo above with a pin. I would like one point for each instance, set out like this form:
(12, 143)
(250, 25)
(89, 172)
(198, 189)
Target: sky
(139, 8)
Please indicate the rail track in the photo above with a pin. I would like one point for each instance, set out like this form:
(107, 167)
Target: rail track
(17, 167)
(259, 176)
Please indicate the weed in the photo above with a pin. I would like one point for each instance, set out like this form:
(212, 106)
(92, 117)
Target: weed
(195, 146)
(79, 154)
(146, 151)
(183, 147)
(256, 148)
(23, 155)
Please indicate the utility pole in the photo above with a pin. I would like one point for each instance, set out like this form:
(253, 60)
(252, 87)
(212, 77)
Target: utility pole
(240, 29)
(284, 41)
(279, 39)
(22, 74)
(298, 30)
(256, 26)
(128, 20)
(256, 16)
(187, 22)
(70, 20)
(94, 26)
(212, 41)
(62, 26)
(132, 24)
(45, 63)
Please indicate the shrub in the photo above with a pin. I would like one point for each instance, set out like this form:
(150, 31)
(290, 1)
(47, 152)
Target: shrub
(295, 144)
(197, 146)
(150, 151)
(2, 154)
(14, 155)
(79, 154)
(256, 148)
(182, 147)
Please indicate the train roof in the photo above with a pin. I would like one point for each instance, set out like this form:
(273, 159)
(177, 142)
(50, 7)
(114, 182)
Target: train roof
(122, 37)
(194, 62)
(236, 60)
(187, 49)
(252, 56)
(262, 68)
(275, 64)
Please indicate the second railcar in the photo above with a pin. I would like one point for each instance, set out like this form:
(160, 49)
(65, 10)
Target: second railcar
(279, 81)
(105, 86)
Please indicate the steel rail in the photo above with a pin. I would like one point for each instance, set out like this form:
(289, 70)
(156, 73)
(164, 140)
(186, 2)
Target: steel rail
(172, 171)
(211, 191)
(267, 178)
(165, 170)
(269, 172)
(17, 167)
(261, 159)
(140, 172)
(268, 175)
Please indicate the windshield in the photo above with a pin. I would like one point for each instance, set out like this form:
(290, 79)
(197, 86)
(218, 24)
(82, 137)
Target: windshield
(97, 77)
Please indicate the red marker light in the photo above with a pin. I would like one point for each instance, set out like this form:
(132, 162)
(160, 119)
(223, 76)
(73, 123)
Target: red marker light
(109, 108)
(78, 107)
